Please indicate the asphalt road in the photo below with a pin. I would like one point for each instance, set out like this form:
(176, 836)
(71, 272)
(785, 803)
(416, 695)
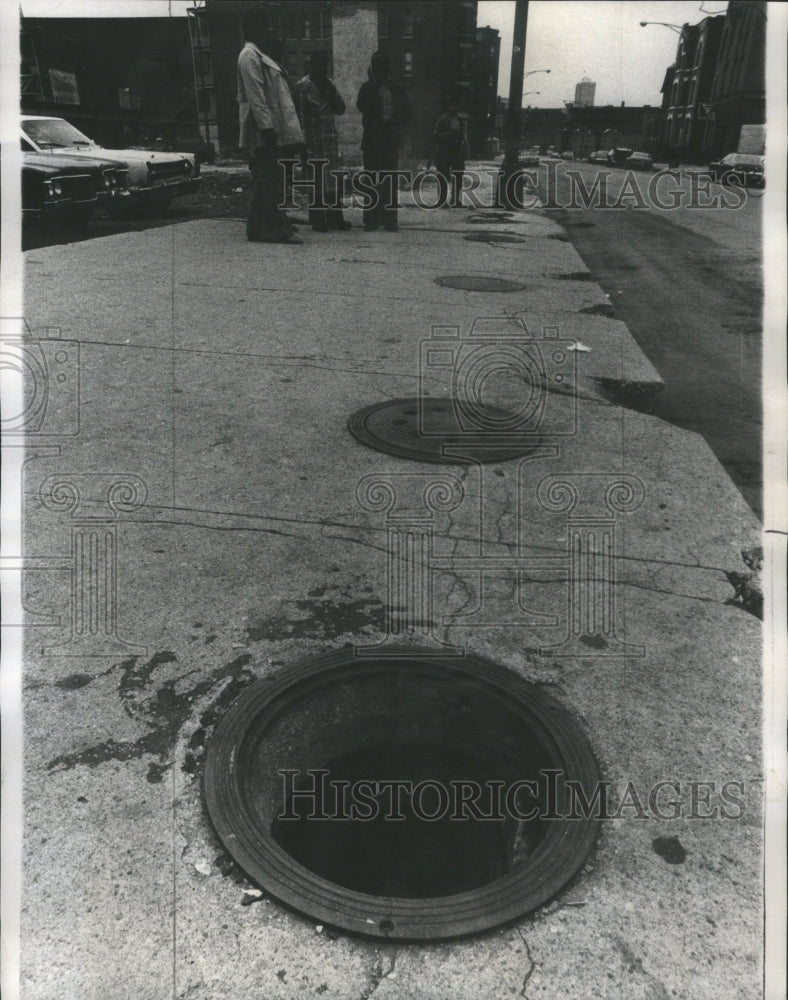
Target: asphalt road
(688, 284)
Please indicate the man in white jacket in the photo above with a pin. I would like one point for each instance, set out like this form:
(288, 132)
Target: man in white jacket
(269, 129)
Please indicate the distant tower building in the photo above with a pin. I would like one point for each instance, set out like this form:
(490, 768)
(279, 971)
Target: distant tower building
(584, 93)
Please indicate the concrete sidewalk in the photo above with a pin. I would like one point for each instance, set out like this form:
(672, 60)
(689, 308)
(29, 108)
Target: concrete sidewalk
(222, 374)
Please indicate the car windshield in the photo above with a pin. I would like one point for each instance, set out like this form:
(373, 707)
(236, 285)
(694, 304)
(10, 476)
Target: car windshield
(54, 133)
(744, 159)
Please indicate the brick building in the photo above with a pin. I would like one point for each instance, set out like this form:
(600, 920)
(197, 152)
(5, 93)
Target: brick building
(738, 94)
(691, 86)
(716, 84)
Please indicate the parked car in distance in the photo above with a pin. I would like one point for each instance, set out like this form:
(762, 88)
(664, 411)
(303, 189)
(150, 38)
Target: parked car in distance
(551, 151)
(155, 176)
(746, 169)
(616, 157)
(639, 161)
(530, 157)
(567, 155)
(600, 156)
(61, 190)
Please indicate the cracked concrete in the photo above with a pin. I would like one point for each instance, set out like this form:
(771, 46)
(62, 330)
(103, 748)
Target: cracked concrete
(223, 376)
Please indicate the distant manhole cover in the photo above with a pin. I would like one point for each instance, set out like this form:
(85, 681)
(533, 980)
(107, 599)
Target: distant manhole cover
(439, 430)
(496, 218)
(493, 236)
(409, 796)
(478, 283)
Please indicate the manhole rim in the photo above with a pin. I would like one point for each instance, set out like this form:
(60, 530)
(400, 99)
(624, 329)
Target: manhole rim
(501, 451)
(445, 281)
(553, 865)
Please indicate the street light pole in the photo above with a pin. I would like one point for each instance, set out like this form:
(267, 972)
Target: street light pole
(511, 160)
(516, 78)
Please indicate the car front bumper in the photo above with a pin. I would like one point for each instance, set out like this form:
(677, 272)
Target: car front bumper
(165, 188)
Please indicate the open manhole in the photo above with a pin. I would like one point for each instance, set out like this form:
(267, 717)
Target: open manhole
(493, 236)
(478, 283)
(409, 796)
(436, 430)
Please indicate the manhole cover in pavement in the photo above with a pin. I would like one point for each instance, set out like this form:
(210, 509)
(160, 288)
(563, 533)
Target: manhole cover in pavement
(482, 218)
(429, 430)
(478, 283)
(493, 236)
(483, 828)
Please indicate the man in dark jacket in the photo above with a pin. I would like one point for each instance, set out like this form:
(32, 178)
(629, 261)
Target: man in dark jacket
(450, 143)
(385, 111)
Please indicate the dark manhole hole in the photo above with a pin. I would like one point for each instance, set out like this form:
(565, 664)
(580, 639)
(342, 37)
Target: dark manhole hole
(479, 283)
(444, 431)
(429, 797)
(493, 236)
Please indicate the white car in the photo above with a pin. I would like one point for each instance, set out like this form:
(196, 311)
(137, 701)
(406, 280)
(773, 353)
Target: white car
(155, 177)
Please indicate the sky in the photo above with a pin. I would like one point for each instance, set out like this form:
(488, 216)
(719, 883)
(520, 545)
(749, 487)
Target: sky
(600, 39)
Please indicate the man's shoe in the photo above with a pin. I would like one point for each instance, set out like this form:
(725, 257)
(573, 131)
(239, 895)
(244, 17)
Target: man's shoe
(343, 225)
(284, 238)
(370, 228)
(392, 229)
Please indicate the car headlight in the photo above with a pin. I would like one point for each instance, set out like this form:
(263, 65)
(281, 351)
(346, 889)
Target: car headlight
(57, 187)
(107, 181)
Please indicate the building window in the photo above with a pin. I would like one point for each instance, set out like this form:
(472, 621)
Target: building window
(407, 64)
(407, 24)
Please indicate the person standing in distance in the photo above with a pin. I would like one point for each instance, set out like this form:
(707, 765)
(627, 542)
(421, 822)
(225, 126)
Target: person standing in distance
(318, 102)
(268, 126)
(385, 111)
(451, 140)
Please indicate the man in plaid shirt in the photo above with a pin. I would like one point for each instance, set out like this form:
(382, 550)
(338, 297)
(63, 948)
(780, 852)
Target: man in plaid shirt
(318, 101)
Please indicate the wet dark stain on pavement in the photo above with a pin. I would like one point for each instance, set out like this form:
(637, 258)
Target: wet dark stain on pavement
(669, 849)
(573, 276)
(321, 615)
(165, 708)
(74, 681)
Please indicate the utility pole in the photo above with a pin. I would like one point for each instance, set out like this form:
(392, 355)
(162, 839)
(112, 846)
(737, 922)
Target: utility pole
(511, 161)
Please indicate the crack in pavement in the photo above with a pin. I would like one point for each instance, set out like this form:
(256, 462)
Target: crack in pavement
(377, 975)
(531, 968)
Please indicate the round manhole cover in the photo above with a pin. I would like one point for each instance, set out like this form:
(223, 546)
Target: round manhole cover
(494, 218)
(479, 283)
(442, 431)
(409, 796)
(493, 236)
